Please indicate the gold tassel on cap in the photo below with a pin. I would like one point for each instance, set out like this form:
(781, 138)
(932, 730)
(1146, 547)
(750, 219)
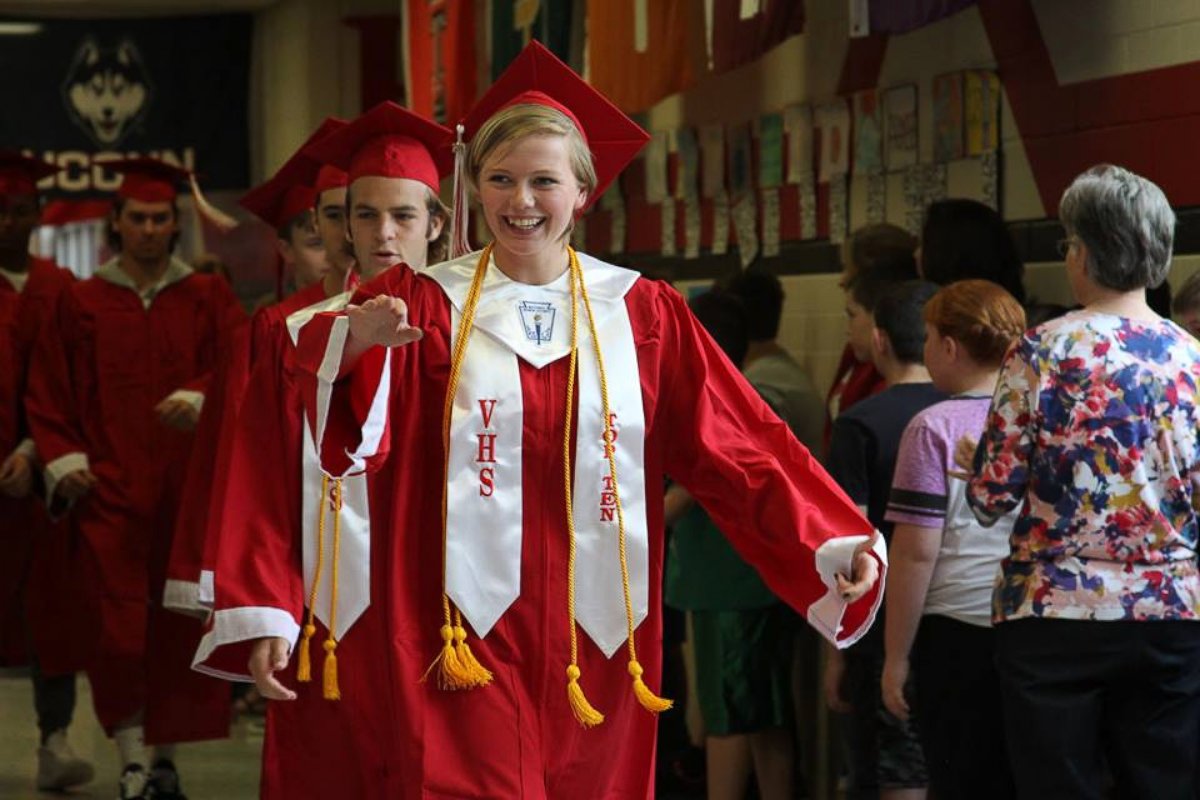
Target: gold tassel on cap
(648, 699)
(456, 665)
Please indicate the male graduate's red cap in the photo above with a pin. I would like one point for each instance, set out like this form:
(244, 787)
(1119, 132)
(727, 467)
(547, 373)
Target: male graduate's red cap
(292, 190)
(148, 179)
(536, 76)
(19, 173)
(388, 141)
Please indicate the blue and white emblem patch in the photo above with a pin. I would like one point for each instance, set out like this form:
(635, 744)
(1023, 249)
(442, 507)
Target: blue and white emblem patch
(538, 321)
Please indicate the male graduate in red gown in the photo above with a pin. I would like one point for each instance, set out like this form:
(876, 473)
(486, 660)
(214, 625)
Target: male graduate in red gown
(470, 431)
(287, 202)
(114, 394)
(35, 585)
(395, 220)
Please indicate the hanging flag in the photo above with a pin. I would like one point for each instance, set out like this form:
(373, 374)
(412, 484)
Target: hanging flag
(868, 133)
(833, 121)
(900, 16)
(798, 122)
(740, 31)
(948, 117)
(515, 22)
(900, 127)
(439, 63)
(655, 156)
(982, 104)
(624, 65)
(712, 159)
(770, 151)
(687, 186)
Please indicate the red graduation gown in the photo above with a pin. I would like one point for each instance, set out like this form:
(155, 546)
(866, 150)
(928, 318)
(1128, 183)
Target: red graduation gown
(517, 738)
(201, 511)
(36, 581)
(103, 365)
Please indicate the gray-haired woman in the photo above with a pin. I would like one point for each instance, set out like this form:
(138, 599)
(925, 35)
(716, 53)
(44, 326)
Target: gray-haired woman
(1093, 434)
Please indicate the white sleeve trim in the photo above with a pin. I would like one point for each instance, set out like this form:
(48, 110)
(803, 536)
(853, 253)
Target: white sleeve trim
(190, 396)
(61, 467)
(832, 557)
(208, 593)
(27, 448)
(184, 597)
(234, 625)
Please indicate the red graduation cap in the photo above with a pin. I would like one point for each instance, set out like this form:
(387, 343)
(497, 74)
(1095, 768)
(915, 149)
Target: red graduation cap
(536, 76)
(292, 189)
(19, 174)
(388, 141)
(148, 179)
(330, 177)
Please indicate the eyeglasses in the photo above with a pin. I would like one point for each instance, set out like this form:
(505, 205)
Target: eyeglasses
(1064, 245)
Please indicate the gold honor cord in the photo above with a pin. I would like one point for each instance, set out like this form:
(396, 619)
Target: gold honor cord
(304, 660)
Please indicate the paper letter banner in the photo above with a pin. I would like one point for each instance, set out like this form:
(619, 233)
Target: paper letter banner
(900, 127)
(770, 151)
(740, 178)
(440, 64)
(798, 123)
(770, 222)
(982, 103)
(656, 168)
(746, 224)
(833, 122)
(712, 154)
(868, 133)
(636, 79)
(948, 117)
(720, 244)
(688, 182)
(839, 209)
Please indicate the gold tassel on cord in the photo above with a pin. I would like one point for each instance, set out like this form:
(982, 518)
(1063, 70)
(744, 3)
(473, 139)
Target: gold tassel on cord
(476, 673)
(646, 698)
(303, 658)
(331, 690)
(588, 716)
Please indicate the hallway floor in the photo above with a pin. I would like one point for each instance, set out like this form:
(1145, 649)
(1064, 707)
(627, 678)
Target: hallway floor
(226, 769)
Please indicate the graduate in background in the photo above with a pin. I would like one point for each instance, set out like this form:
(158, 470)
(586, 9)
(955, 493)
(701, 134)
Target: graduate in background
(35, 575)
(276, 491)
(472, 427)
(114, 394)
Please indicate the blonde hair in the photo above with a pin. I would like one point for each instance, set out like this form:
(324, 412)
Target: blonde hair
(980, 315)
(509, 125)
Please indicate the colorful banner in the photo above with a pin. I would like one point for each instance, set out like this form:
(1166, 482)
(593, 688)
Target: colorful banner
(770, 151)
(741, 179)
(439, 65)
(712, 155)
(901, 16)
(982, 104)
(85, 91)
(798, 122)
(900, 127)
(948, 117)
(637, 62)
(868, 133)
(688, 149)
(833, 123)
(740, 31)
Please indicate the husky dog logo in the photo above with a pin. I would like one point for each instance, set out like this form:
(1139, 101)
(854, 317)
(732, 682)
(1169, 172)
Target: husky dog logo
(106, 90)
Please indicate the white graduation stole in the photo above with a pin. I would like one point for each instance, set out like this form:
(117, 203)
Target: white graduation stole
(485, 493)
(354, 555)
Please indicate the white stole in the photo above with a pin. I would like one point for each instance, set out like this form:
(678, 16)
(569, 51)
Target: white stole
(485, 493)
(354, 553)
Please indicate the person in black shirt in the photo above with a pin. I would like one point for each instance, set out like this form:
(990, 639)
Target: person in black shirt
(885, 753)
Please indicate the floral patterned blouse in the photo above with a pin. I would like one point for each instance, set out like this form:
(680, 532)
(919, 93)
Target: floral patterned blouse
(1093, 432)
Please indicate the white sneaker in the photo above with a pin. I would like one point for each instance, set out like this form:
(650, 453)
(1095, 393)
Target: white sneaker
(134, 782)
(58, 766)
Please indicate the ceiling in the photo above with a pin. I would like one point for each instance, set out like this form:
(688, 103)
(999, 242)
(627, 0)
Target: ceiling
(105, 8)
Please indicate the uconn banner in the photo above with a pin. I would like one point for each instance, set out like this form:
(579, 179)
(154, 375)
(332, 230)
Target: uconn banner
(91, 91)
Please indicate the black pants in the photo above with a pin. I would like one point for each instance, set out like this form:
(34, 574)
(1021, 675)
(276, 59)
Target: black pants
(1078, 692)
(53, 699)
(958, 703)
